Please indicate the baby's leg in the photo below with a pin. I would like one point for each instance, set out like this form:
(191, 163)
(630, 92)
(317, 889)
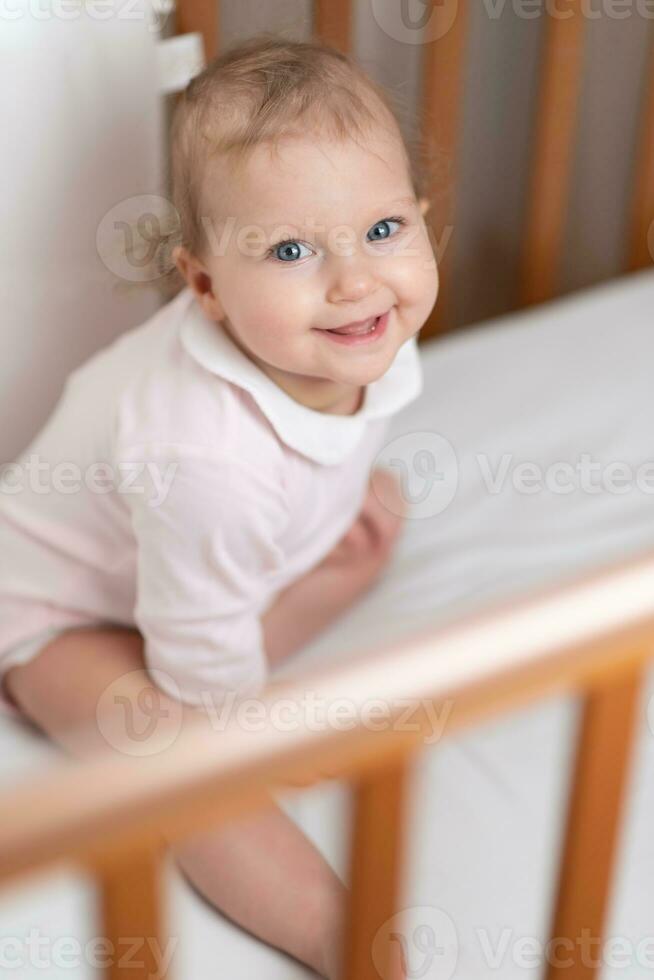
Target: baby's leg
(261, 872)
(59, 689)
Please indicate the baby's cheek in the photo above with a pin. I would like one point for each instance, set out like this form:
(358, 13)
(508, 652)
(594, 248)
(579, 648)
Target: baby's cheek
(273, 331)
(416, 283)
(424, 282)
(262, 316)
(430, 288)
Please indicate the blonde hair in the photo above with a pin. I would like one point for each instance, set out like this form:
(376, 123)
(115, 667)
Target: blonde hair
(260, 91)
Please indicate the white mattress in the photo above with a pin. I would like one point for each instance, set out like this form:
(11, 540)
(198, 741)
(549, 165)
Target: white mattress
(546, 386)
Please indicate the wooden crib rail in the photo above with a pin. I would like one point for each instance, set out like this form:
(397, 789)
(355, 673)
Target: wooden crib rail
(641, 224)
(552, 154)
(591, 636)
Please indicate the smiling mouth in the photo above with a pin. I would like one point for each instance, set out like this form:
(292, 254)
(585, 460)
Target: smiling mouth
(357, 328)
(359, 335)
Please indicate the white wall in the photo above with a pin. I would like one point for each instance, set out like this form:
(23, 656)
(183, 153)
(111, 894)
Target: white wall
(81, 126)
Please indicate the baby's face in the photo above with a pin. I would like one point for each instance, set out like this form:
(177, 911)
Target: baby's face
(322, 235)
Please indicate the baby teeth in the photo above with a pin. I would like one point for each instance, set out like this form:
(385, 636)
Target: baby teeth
(356, 330)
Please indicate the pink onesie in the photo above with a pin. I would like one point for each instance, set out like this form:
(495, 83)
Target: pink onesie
(178, 489)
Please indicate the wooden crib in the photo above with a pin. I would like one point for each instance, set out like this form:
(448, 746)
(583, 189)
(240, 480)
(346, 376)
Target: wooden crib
(591, 638)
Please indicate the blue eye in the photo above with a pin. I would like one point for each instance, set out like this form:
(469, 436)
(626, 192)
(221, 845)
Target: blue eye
(384, 226)
(286, 251)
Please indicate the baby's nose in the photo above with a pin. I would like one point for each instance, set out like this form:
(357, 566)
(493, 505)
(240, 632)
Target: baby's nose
(352, 283)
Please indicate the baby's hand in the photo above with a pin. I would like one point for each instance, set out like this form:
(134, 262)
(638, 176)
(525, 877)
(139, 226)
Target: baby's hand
(366, 548)
(379, 521)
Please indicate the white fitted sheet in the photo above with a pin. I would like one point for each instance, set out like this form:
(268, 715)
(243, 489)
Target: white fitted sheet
(543, 386)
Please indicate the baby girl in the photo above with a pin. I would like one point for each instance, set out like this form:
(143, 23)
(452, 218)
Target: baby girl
(227, 513)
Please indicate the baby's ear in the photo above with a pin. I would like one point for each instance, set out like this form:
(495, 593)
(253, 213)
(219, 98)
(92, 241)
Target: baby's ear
(424, 204)
(184, 262)
(198, 280)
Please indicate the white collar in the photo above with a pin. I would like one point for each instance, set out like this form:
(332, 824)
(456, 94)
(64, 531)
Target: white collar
(321, 436)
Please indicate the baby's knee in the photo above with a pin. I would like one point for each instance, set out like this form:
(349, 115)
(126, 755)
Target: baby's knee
(25, 685)
(10, 685)
(61, 684)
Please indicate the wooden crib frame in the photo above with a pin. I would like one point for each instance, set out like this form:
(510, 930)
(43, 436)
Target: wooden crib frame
(591, 637)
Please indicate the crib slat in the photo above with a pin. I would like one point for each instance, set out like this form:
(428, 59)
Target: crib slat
(640, 254)
(376, 864)
(333, 23)
(198, 15)
(592, 834)
(552, 152)
(442, 111)
(131, 893)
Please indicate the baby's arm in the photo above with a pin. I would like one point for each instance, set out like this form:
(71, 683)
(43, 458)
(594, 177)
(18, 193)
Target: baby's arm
(312, 602)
